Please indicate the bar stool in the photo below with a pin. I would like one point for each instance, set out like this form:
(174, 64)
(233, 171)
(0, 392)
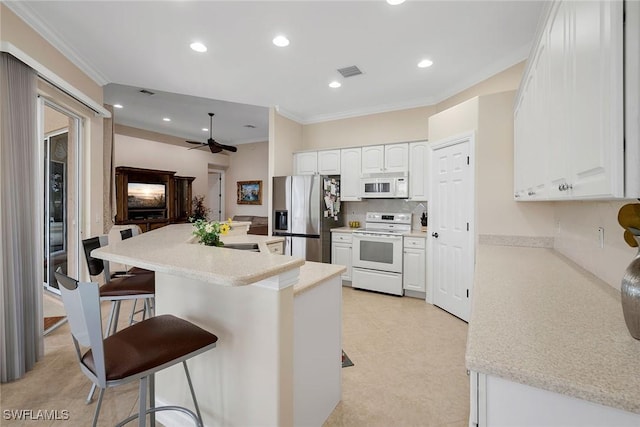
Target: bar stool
(134, 353)
(125, 234)
(116, 289)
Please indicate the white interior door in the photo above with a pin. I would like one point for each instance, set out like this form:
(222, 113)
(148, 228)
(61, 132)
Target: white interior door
(451, 234)
(215, 196)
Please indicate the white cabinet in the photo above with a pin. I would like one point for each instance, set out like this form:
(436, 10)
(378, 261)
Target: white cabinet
(373, 159)
(418, 161)
(350, 170)
(414, 270)
(396, 158)
(341, 252)
(329, 162)
(305, 163)
(499, 402)
(385, 158)
(276, 248)
(568, 121)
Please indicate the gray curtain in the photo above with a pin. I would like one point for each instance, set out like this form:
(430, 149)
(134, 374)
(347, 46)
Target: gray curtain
(21, 269)
(109, 191)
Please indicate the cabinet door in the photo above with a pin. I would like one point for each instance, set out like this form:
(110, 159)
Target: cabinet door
(350, 159)
(305, 163)
(341, 255)
(373, 159)
(560, 41)
(597, 150)
(414, 271)
(329, 162)
(418, 171)
(396, 158)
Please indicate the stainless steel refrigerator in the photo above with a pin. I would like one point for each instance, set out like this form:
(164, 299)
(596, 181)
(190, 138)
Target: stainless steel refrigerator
(305, 209)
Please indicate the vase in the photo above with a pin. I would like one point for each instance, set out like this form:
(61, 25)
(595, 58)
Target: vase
(630, 295)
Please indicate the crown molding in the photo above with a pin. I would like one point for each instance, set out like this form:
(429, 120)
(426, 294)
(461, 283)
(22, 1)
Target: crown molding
(289, 115)
(31, 18)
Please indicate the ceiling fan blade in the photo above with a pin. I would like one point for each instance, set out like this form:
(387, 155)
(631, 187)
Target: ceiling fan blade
(228, 147)
(215, 148)
(195, 148)
(196, 142)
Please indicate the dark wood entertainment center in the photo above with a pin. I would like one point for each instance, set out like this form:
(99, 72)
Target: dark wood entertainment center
(165, 197)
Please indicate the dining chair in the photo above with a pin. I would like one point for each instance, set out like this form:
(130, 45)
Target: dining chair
(134, 353)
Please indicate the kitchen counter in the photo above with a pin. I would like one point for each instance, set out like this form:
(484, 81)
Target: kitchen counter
(538, 319)
(313, 274)
(172, 249)
(343, 230)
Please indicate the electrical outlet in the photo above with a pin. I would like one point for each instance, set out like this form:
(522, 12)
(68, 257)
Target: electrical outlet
(601, 237)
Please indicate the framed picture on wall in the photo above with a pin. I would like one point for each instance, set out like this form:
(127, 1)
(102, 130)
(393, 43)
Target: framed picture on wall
(249, 192)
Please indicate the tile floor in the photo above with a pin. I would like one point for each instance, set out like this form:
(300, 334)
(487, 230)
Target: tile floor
(409, 371)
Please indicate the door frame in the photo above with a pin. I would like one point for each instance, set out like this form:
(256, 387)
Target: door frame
(462, 138)
(211, 171)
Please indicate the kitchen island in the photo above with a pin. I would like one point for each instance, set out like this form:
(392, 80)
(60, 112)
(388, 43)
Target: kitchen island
(547, 344)
(250, 301)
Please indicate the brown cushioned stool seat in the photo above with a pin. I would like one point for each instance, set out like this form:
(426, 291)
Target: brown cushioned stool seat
(129, 285)
(128, 352)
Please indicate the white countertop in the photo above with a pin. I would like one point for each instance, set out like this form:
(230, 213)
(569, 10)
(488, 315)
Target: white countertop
(314, 273)
(538, 319)
(169, 250)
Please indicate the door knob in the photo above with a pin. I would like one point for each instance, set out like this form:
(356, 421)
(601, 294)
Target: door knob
(434, 235)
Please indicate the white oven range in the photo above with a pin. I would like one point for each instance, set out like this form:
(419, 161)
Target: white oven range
(377, 252)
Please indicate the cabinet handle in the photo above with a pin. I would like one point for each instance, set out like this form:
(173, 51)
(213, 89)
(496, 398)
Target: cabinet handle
(434, 235)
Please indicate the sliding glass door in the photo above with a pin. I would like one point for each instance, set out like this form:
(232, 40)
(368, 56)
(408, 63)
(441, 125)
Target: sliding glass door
(60, 167)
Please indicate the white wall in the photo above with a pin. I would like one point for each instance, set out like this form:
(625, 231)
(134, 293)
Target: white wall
(576, 237)
(143, 153)
(249, 163)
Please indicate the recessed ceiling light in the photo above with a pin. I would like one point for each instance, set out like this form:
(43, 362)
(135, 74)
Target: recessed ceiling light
(425, 63)
(117, 105)
(395, 2)
(198, 47)
(281, 41)
(205, 130)
(335, 84)
(166, 119)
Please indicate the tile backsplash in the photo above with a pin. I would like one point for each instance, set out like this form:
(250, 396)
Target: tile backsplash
(356, 211)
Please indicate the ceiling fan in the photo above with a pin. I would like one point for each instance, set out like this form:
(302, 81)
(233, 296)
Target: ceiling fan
(213, 145)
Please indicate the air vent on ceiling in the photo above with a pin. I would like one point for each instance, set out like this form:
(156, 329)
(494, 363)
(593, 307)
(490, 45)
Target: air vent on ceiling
(349, 71)
(146, 92)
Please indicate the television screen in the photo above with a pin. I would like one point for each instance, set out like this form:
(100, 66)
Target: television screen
(146, 196)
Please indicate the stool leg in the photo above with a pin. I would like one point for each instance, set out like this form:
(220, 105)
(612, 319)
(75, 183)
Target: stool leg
(152, 399)
(142, 403)
(90, 396)
(112, 313)
(133, 312)
(98, 405)
(193, 394)
(115, 317)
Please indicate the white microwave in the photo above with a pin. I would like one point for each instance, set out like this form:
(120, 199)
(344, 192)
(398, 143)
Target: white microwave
(384, 186)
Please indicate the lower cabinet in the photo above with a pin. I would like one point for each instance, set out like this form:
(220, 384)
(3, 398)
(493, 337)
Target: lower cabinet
(276, 248)
(499, 402)
(414, 269)
(341, 252)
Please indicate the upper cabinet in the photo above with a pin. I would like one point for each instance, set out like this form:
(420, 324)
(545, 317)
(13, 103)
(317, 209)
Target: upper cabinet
(305, 163)
(329, 162)
(568, 118)
(385, 158)
(325, 162)
(350, 159)
(418, 152)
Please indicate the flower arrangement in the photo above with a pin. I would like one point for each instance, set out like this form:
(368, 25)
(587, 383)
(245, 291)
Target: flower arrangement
(208, 233)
